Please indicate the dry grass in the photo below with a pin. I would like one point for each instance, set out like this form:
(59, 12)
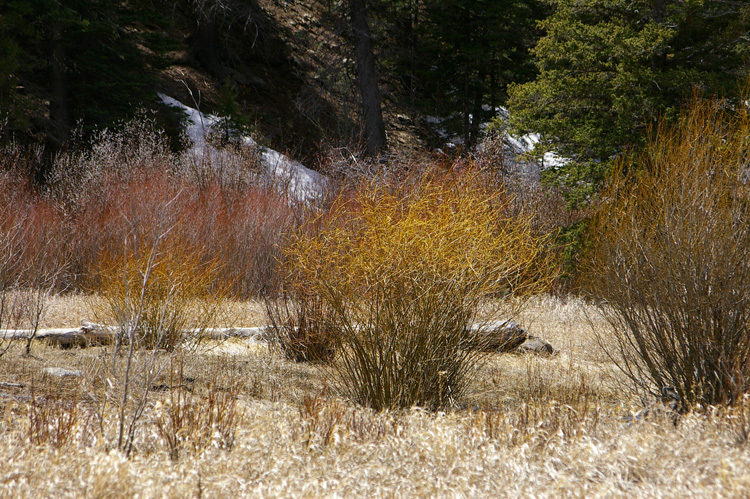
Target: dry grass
(69, 310)
(531, 427)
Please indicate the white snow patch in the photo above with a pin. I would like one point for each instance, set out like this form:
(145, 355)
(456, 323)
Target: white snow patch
(301, 182)
(517, 146)
(553, 160)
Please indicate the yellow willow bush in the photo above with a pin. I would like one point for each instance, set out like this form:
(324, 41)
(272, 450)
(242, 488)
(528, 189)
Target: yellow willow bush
(669, 258)
(402, 271)
(163, 289)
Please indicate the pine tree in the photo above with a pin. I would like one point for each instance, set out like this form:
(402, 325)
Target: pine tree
(64, 61)
(367, 79)
(21, 55)
(472, 49)
(609, 69)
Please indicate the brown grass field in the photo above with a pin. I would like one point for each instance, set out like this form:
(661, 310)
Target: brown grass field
(531, 427)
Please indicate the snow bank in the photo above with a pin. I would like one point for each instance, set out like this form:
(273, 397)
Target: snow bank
(301, 182)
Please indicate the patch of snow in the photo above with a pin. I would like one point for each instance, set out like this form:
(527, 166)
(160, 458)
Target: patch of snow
(517, 148)
(302, 182)
(436, 124)
(553, 160)
(299, 181)
(198, 125)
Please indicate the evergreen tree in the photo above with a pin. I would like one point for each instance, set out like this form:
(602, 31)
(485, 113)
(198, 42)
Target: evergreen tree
(233, 123)
(471, 49)
(21, 55)
(455, 56)
(367, 79)
(608, 69)
(9, 63)
(64, 61)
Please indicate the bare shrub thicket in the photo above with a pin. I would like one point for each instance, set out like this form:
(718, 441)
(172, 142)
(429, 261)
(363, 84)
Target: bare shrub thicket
(402, 269)
(670, 257)
(87, 172)
(546, 205)
(159, 290)
(97, 193)
(299, 327)
(346, 166)
(521, 178)
(33, 254)
(162, 245)
(245, 229)
(229, 165)
(163, 298)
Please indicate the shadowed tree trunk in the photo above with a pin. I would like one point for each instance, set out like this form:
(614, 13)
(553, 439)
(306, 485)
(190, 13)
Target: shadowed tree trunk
(59, 103)
(59, 107)
(476, 112)
(466, 129)
(374, 132)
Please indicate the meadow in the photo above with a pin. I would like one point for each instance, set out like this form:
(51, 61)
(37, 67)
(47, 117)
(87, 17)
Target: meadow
(533, 426)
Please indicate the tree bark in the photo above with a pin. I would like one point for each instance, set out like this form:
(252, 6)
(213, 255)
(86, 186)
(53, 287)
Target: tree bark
(466, 129)
(367, 77)
(659, 13)
(476, 114)
(59, 107)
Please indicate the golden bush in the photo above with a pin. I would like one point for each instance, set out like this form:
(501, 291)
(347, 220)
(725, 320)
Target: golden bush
(403, 270)
(162, 291)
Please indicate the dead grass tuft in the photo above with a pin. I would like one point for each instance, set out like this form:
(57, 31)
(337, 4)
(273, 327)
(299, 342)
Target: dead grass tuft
(196, 417)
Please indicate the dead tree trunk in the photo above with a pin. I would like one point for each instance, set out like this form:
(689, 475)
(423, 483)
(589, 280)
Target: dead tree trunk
(367, 76)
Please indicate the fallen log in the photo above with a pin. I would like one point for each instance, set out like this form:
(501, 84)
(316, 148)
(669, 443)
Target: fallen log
(503, 336)
(223, 333)
(92, 334)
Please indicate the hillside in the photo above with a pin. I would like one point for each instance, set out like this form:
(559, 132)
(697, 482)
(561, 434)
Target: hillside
(284, 69)
(590, 79)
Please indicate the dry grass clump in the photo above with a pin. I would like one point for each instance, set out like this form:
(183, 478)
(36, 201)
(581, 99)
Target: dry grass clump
(670, 257)
(71, 309)
(196, 417)
(52, 421)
